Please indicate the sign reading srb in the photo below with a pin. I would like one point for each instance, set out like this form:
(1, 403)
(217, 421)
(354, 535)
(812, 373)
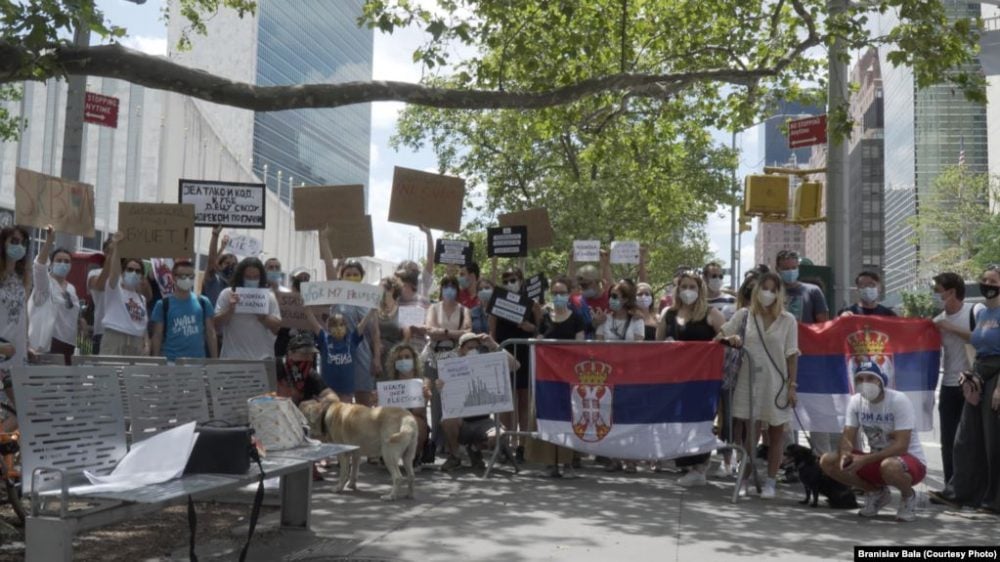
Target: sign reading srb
(807, 132)
(101, 110)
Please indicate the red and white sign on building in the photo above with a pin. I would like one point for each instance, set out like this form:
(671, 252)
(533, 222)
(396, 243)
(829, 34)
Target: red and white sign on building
(807, 132)
(101, 110)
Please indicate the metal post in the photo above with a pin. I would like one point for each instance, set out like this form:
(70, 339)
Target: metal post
(837, 191)
(734, 249)
(72, 153)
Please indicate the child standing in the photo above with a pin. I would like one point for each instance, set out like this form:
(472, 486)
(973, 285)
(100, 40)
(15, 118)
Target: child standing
(337, 347)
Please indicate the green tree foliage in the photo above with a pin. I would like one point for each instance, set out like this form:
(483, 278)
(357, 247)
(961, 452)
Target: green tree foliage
(918, 304)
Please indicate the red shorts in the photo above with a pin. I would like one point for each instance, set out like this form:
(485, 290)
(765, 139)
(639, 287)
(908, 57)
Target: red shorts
(872, 472)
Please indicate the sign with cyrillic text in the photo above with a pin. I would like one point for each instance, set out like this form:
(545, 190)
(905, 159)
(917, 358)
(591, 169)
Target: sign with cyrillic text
(252, 301)
(507, 241)
(342, 292)
(222, 203)
(41, 200)
(625, 252)
(408, 393)
(156, 230)
(244, 246)
(586, 250)
(453, 252)
(512, 307)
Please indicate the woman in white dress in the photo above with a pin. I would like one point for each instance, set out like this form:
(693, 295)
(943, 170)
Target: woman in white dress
(772, 341)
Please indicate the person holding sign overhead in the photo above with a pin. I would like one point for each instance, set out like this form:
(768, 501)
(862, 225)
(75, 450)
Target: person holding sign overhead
(595, 286)
(125, 315)
(248, 335)
(338, 349)
(13, 296)
(219, 269)
(54, 308)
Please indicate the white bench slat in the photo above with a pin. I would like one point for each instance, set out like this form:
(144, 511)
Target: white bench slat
(161, 398)
(230, 386)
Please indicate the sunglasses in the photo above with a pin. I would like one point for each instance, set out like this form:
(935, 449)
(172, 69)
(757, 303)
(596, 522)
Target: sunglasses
(719, 276)
(510, 280)
(132, 270)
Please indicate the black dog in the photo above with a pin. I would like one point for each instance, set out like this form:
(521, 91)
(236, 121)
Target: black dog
(838, 495)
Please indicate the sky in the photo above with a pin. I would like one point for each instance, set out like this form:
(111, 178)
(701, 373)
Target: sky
(393, 61)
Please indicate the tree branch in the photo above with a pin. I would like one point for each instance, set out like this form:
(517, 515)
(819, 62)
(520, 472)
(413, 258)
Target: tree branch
(115, 61)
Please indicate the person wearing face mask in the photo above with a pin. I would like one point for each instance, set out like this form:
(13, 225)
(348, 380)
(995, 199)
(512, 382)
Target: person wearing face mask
(468, 285)
(275, 277)
(621, 324)
(391, 332)
(644, 307)
(806, 301)
(561, 322)
(220, 268)
(14, 280)
(896, 459)
(480, 319)
(54, 308)
(446, 322)
(772, 340)
(182, 322)
(125, 315)
(725, 303)
(591, 302)
(300, 275)
(975, 480)
(868, 284)
(402, 363)
(97, 299)
(338, 348)
(367, 367)
(247, 336)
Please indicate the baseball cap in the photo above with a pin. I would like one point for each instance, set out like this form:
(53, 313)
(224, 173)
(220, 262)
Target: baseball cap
(872, 368)
(467, 337)
(302, 342)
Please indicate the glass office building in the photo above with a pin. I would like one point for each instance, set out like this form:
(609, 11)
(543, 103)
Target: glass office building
(312, 41)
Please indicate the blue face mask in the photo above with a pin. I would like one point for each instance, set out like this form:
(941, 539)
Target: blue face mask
(130, 279)
(464, 281)
(485, 295)
(615, 304)
(61, 268)
(560, 301)
(251, 283)
(275, 276)
(404, 365)
(449, 293)
(16, 251)
(790, 275)
(589, 293)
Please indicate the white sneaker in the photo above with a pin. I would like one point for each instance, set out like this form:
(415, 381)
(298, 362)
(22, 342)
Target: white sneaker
(725, 470)
(874, 501)
(770, 489)
(693, 478)
(907, 509)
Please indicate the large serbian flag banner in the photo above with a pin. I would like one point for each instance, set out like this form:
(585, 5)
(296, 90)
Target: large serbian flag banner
(631, 401)
(908, 351)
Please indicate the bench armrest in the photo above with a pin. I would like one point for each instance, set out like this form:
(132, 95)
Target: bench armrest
(36, 498)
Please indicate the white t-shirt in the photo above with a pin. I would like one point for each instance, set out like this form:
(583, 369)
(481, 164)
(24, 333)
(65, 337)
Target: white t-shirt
(246, 337)
(626, 329)
(48, 310)
(97, 295)
(877, 421)
(954, 360)
(14, 318)
(124, 310)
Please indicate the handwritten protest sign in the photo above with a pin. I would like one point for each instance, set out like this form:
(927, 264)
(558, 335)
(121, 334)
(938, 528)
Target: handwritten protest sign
(422, 198)
(453, 252)
(239, 205)
(293, 312)
(512, 307)
(475, 385)
(341, 292)
(316, 206)
(540, 233)
(412, 316)
(351, 237)
(586, 250)
(407, 393)
(625, 251)
(41, 200)
(244, 246)
(153, 230)
(252, 301)
(507, 241)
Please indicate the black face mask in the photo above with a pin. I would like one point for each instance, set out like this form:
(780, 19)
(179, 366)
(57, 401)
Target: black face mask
(989, 291)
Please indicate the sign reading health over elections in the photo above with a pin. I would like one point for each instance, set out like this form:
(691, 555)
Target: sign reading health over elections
(341, 292)
(906, 349)
(407, 393)
(223, 203)
(629, 401)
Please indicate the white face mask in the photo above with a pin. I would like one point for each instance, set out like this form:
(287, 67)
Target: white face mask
(869, 294)
(184, 284)
(869, 390)
(644, 301)
(688, 296)
(766, 298)
(715, 284)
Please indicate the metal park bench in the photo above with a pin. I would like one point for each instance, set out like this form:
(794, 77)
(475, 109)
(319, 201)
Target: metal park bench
(71, 420)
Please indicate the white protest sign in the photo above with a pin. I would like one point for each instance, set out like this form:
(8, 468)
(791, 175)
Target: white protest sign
(238, 205)
(252, 301)
(407, 393)
(475, 385)
(244, 246)
(586, 250)
(342, 292)
(625, 252)
(412, 316)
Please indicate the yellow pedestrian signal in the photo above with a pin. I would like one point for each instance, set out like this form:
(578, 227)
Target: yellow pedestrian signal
(744, 222)
(766, 196)
(808, 203)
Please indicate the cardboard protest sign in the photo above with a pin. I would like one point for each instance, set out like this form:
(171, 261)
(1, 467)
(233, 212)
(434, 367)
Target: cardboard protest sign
(351, 237)
(252, 301)
(540, 233)
(244, 246)
(223, 203)
(586, 250)
(41, 200)
(536, 286)
(411, 316)
(475, 385)
(293, 312)
(507, 241)
(512, 307)
(153, 230)
(453, 252)
(316, 206)
(341, 292)
(625, 251)
(408, 393)
(422, 198)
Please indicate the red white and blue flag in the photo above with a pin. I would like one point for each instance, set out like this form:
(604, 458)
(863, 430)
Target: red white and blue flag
(907, 350)
(629, 401)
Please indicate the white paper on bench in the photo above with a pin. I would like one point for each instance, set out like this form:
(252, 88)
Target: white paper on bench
(158, 459)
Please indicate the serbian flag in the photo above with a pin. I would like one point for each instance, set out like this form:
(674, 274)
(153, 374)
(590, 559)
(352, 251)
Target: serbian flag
(630, 401)
(907, 350)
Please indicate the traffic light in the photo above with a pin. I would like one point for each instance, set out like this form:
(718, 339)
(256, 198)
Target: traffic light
(808, 201)
(767, 196)
(744, 222)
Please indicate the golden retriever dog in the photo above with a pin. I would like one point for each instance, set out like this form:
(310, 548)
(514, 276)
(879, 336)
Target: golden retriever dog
(382, 431)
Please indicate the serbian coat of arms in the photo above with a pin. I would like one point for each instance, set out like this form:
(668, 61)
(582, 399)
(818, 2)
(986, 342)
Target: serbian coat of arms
(592, 401)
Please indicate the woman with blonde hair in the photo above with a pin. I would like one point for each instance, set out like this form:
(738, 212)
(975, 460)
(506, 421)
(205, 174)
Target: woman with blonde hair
(403, 363)
(772, 341)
